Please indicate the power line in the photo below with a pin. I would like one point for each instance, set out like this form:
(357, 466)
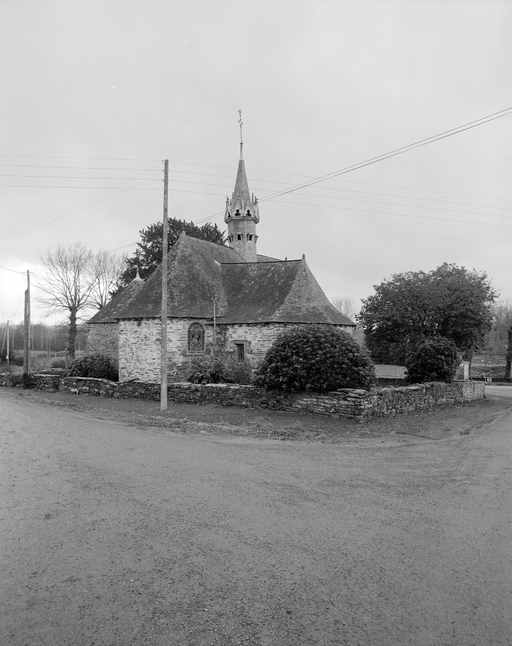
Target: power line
(402, 215)
(328, 197)
(398, 151)
(12, 233)
(86, 158)
(71, 167)
(22, 273)
(201, 183)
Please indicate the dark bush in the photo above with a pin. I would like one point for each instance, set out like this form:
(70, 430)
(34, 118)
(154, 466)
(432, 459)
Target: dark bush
(57, 363)
(218, 369)
(14, 359)
(242, 373)
(317, 358)
(434, 359)
(209, 369)
(99, 366)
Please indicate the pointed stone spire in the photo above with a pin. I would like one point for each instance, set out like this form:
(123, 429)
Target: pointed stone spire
(242, 212)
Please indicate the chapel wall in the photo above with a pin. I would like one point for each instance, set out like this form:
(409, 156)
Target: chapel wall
(139, 349)
(102, 338)
(256, 337)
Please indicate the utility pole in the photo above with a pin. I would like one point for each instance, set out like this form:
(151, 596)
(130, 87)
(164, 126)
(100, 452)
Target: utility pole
(26, 344)
(508, 364)
(7, 355)
(163, 335)
(214, 327)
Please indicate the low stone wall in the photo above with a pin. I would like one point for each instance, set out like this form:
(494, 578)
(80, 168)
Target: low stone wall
(50, 383)
(350, 403)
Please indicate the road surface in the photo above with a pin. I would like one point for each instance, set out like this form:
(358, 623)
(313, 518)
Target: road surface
(112, 534)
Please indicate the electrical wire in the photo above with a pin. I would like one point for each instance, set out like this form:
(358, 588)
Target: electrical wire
(398, 151)
(273, 196)
(12, 233)
(224, 186)
(22, 273)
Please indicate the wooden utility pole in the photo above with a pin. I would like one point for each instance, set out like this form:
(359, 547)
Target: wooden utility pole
(163, 335)
(7, 355)
(26, 340)
(214, 326)
(508, 365)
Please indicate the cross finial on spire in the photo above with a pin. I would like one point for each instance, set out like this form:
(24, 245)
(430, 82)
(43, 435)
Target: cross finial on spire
(241, 124)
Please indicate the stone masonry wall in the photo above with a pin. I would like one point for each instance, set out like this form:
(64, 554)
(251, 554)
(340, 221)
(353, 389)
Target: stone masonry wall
(139, 345)
(257, 338)
(139, 349)
(102, 338)
(350, 403)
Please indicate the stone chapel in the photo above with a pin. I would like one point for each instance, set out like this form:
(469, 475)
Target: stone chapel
(226, 299)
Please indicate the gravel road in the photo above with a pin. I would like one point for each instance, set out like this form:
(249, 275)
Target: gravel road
(118, 534)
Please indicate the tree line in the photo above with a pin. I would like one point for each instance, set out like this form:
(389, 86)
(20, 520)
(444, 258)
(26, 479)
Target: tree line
(45, 339)
(449, 302)
(77, 281)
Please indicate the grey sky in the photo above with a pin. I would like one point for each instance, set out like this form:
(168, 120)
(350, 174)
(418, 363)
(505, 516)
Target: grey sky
(89, 86)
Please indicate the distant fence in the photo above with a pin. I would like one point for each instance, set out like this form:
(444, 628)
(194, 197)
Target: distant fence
(346, 402)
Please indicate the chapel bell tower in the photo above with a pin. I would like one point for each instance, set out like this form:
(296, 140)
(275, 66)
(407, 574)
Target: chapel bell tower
(242, 213)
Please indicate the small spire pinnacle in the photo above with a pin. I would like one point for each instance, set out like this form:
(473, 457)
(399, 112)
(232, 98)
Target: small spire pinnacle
(241, 123)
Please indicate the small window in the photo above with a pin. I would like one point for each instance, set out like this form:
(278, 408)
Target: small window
(196, 338)
(239, 236)
(240, 352)
(249, 236)
(248, 213)
(237, 212)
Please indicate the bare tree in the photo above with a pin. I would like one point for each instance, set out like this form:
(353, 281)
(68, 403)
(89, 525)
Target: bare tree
(106, 270)
(345, 304)
(67, 283)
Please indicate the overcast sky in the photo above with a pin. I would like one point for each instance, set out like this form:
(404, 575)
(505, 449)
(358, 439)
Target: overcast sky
(95, 94)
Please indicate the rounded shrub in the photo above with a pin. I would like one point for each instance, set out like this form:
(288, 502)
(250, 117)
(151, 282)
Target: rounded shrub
(218, 369)
(209, 369)
(99, 366)
(315, 358)
(434, 359)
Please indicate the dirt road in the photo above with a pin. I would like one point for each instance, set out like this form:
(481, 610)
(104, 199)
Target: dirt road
(113, 534)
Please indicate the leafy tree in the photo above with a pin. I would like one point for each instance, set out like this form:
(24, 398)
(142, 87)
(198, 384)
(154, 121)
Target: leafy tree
(317, 358)
(434, 359)
(148, 254)
(450, 301)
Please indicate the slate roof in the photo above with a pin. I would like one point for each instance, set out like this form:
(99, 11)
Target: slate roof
(194, 280)
(279, 292)
(260, 292)
(112, 310)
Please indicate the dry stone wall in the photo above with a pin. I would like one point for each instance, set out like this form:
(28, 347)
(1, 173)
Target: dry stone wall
(350, 403)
